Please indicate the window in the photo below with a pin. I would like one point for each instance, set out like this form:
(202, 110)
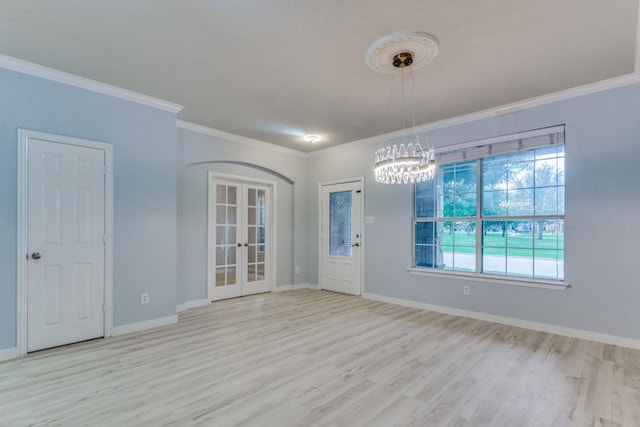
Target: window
(495, 209)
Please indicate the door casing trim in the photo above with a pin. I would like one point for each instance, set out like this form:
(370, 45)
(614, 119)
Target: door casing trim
(360, 180)
(24, 135)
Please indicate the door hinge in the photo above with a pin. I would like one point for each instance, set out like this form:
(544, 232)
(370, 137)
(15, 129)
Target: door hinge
(104, 307)
(105, 170)
(104, 239)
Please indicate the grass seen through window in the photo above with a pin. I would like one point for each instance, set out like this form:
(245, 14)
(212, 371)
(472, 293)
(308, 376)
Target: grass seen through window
(493, 243)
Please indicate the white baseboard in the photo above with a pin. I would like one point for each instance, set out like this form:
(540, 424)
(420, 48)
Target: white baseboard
(295, 287)
(142, 326)
(526, 324)
(8, 354)
(192, 304)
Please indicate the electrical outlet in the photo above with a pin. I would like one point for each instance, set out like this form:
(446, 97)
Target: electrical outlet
(466, 289)
(144, 298)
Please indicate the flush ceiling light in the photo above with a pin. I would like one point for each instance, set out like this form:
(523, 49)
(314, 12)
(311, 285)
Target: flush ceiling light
(401, 53)
(312, 139)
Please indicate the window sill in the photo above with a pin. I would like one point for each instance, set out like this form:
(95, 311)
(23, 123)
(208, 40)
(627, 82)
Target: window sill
(544, 284)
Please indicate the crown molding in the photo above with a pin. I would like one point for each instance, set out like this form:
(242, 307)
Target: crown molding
(591, 88)
(256, 143)
(47, 73)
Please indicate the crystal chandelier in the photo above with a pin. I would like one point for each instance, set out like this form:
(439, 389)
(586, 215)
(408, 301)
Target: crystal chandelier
(399, 53)
(404, 164)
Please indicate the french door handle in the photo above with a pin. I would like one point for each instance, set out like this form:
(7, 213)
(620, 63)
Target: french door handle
(246, 244)
(356, 245)
(239, 245)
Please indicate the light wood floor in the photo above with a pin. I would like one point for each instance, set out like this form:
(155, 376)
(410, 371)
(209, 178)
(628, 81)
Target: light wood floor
(308, 357)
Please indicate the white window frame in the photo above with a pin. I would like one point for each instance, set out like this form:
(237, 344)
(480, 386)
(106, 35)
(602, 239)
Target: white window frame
(458, 154)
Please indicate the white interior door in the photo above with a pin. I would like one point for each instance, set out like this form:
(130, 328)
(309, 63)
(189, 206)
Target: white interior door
(256, 231)
(225, 240)
(341, 238)
(240, 238)
(65, 241)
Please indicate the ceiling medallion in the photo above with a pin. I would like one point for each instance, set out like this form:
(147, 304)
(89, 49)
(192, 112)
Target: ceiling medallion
(422, 46)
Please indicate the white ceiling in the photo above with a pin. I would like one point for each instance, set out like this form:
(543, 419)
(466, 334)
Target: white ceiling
(275, 70)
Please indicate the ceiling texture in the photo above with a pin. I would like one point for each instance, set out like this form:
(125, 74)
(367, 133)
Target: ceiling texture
(275, 70)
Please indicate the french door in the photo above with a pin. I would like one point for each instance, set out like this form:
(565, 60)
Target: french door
(341, 237)
(240, 238)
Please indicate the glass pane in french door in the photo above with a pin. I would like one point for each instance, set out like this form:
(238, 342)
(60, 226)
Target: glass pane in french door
(226, 234)
(256, 234)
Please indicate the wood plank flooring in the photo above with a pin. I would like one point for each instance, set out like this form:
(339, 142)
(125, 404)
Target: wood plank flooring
(316, 358)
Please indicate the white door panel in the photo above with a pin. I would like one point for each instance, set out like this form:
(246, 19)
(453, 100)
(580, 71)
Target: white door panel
(65, 273)
(341, 238)
(255, 233)
(225, 219)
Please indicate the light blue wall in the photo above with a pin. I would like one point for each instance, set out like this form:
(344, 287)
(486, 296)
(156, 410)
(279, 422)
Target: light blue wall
(160, 205)
(145, 192)
(602, 219)
(199, 154)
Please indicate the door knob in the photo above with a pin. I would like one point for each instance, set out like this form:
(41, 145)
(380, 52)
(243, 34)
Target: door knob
(356, 245)
(239, 245)
(246, 244)
(36, 255)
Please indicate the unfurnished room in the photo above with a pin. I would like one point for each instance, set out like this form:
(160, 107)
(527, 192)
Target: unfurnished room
(319, 213)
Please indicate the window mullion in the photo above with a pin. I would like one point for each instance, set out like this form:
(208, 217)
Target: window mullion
(479, 223)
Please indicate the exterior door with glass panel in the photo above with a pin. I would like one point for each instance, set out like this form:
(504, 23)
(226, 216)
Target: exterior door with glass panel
(341, 238)
(239, 236)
